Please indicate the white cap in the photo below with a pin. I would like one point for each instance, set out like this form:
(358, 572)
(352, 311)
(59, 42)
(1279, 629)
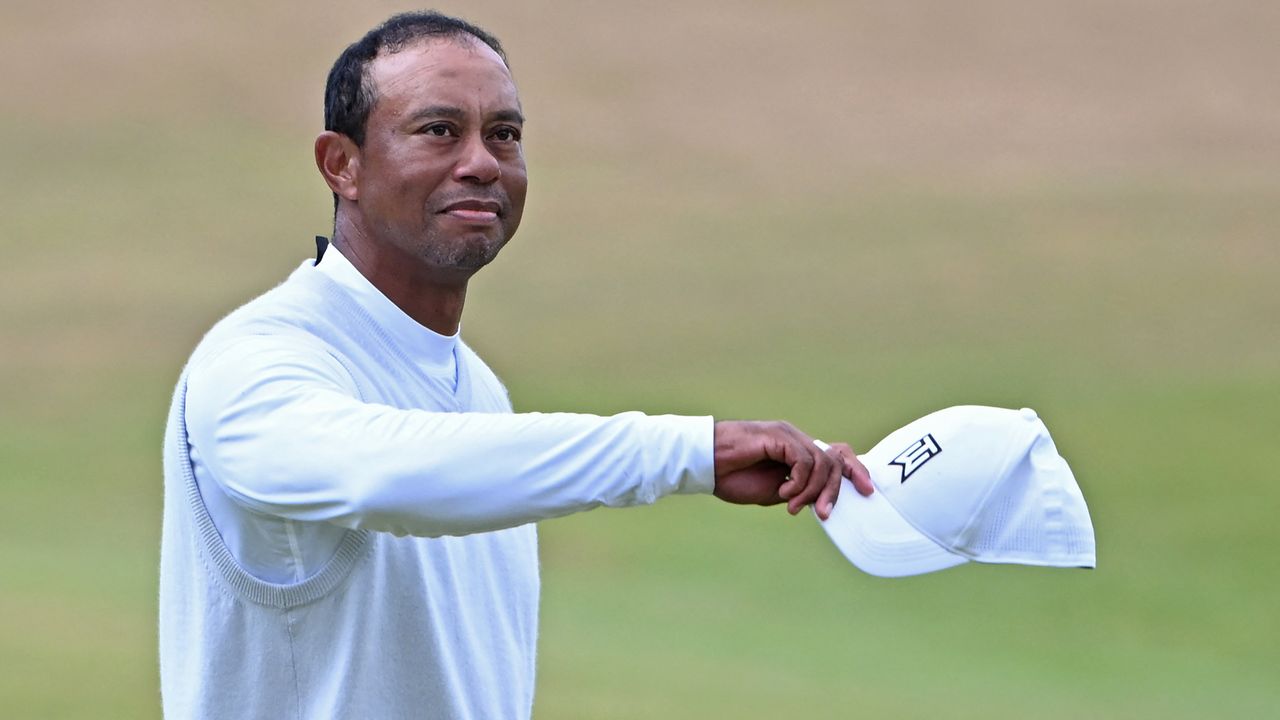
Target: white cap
(964, 483)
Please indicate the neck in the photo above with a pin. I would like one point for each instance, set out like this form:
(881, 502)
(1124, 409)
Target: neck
(432, 297)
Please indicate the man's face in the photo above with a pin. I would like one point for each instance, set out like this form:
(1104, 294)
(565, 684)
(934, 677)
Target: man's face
(442, 176)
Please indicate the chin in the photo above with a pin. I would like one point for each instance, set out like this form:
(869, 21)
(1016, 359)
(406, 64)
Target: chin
(469, 256)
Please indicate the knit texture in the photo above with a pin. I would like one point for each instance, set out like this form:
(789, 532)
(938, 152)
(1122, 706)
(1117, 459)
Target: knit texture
(390, 627)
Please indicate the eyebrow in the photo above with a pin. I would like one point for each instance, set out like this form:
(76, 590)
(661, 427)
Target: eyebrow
(450, 112)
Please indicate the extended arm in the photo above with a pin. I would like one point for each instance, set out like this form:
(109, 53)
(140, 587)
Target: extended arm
(283, 432)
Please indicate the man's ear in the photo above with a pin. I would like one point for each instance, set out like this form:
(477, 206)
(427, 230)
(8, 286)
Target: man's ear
(338, 159)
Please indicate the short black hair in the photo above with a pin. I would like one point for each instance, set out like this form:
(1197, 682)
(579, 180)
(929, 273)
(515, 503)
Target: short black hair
(349, 93)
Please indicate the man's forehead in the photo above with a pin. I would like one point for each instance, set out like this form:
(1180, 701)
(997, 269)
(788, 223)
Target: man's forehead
(438, 56)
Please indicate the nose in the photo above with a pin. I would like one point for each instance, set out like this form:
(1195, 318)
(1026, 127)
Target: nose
(477, 164)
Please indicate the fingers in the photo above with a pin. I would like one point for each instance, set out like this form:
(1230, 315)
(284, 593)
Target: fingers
(808, 464)
(813, 470)
(860, 477)
(825, 472)
(827, 499)
(853, 469)
(802, 461)
(850, 467)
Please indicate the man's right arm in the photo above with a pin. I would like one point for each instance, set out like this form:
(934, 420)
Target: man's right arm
(280, 427)
(282, 430)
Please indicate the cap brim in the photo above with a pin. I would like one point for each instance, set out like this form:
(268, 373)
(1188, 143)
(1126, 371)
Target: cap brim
(875, 538)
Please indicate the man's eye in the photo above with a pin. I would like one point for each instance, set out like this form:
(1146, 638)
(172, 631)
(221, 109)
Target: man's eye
(506, 134)
(436, 130)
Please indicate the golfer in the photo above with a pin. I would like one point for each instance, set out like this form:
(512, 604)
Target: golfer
(349, 499)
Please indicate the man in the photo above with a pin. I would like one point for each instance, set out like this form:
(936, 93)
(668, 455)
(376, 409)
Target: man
(349, 500)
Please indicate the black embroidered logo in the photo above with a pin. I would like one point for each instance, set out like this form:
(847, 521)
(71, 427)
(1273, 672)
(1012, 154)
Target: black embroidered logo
(914, 457)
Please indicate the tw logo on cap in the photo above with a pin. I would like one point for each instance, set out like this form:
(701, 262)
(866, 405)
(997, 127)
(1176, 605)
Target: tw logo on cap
(914, 457)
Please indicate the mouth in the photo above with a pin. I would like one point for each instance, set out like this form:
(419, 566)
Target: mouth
(474, 211)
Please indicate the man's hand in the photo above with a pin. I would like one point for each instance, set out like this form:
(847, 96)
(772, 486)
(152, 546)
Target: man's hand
(766, 463)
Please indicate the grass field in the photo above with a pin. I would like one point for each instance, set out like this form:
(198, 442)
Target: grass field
(841, 214)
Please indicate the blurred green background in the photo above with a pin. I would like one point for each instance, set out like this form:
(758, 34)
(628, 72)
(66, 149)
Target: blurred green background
(843, 214)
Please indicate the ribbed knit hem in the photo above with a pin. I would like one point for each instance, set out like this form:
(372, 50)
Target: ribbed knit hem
(353, 546)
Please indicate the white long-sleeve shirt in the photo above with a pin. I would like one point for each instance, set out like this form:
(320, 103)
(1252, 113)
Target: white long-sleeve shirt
(348, 501)
(274, 546)
(244, 400)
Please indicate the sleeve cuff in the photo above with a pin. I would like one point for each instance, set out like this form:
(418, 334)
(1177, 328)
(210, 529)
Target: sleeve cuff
(691, 454)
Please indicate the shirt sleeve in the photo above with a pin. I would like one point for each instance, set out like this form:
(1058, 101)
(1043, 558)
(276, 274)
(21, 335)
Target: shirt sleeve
(281, 429)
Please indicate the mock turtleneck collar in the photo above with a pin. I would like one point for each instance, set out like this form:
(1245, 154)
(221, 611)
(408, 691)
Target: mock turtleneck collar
(432, 351)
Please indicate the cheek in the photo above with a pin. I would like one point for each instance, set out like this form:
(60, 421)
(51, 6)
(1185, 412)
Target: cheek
(516, 182)
(405, 171)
